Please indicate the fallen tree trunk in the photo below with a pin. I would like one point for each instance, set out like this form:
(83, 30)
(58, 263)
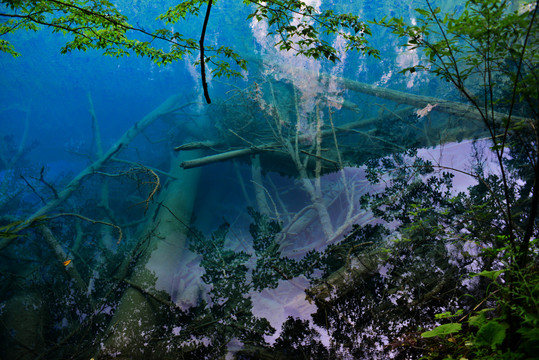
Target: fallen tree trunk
(167, 107)
(454, 108)
(135, 320)
(228, 155)
(420, 101)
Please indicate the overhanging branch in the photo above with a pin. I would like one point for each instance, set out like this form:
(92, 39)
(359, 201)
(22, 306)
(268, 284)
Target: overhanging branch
(202, 63)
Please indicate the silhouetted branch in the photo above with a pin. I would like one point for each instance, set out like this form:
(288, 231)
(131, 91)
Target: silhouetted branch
(202, 61)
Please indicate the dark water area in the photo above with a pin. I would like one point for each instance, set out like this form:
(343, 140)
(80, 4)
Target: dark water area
(172, 285)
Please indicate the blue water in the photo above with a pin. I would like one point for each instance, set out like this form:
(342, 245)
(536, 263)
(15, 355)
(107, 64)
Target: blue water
(53, 91)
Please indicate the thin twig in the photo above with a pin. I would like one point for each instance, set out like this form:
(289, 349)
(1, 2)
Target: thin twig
(120, 233)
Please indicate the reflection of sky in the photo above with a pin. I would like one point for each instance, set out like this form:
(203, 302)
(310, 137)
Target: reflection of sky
(288, 299)
(458, 156)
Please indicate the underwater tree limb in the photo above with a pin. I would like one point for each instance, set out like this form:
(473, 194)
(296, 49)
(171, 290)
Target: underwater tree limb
(46, 183)
(167, 107)
(446, 106)
(317, 201)
(77, 242)
(242, 183)
(198, 145)
(157, 171)
(22, 144)
(320, 157)
(104, 201)
(285, 211)
(156, 183)
(228, 155)
(260, 190)
(312, 188)
(219, 157)
(348, 192)
(95, 128)
(133, 174)
(63, 258)
(33, 189)
(120, 233)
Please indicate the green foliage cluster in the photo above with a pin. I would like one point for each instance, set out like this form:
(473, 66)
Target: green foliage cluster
(302, 28)
(92, 24)
(270, 265)
(98, 24)
(227, 314)
(484, 334)
(233, 275)
(300, 341)
(488, 51)
(484, 39)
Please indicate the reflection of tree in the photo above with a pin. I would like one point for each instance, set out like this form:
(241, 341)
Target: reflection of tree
(305, 129)
(366, 311)
(368, 290)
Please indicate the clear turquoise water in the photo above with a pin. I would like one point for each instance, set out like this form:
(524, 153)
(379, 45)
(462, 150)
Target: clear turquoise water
(46, 95)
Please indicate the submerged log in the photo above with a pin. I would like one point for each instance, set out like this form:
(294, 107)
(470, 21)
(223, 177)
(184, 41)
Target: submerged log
(229, 155)
(136, 317)
(167, 107)
(460, 110)
(450, 107)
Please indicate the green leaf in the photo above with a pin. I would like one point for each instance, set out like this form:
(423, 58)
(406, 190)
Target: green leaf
(492, 274)
(442, 330)
(480, 319)
(491, 334)
(448, 314)
(422, 12)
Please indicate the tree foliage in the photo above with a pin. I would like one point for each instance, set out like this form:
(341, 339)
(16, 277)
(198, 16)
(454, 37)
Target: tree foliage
(488, 51)
(98, 24)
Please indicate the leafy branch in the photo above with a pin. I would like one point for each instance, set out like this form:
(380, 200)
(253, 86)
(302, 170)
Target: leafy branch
(99, 25)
